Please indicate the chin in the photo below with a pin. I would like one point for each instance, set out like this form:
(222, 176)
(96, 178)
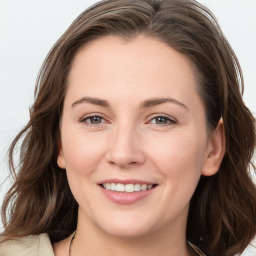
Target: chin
(129, 233)
(126, 229)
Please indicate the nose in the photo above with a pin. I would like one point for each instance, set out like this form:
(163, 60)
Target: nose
(125, 149)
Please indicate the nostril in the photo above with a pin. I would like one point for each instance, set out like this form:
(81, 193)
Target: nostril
(132, 163)
(123, 163)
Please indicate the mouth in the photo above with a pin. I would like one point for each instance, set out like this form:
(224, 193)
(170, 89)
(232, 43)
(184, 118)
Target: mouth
(126, 192)
(127, 188)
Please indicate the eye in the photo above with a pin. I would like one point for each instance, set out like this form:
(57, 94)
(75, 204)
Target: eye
(162, 120)
(93, 120)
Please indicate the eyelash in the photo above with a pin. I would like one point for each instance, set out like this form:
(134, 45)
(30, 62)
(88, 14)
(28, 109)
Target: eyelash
(168, 119)
(84, 120)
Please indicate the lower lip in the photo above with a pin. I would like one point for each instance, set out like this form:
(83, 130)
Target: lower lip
(124, 197)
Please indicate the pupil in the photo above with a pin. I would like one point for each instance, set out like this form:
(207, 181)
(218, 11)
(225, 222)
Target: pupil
(161, 120)
(95, 120)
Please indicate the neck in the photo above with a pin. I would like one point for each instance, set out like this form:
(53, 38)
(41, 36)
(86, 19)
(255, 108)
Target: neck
(90, 240)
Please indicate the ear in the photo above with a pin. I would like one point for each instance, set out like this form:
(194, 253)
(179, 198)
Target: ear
(215, 150)
(60, 159)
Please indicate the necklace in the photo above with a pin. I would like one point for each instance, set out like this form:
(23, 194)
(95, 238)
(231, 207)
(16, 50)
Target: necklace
(71, 241)
(193, 247)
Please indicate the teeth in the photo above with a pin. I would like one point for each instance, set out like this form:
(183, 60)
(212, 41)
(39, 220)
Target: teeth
(150, 186)
(112, 186)
(128, 188)
(144, 187)
(119, 187)
(137, 187)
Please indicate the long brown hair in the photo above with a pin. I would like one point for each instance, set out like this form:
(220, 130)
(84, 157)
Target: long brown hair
(222, 216)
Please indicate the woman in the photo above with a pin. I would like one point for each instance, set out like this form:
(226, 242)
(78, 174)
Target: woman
(138, 143)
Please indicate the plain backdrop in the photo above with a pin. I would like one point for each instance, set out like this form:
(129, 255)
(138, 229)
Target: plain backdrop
(29, 28)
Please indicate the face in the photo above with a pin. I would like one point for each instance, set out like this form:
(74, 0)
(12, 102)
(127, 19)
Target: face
(134, 141)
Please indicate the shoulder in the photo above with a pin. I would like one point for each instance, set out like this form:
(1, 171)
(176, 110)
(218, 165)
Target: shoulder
(38, 245)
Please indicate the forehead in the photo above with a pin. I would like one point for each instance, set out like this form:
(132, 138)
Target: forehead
(142, 66)
(143, 49)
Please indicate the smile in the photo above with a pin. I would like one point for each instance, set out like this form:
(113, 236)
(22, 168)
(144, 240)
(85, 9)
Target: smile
(127, 188)
(126, 191)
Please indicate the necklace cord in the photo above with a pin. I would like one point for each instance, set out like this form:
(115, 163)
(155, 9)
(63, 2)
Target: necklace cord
(71, 241)
(195, 250)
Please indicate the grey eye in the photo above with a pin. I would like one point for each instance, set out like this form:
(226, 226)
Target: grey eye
(162, 120)
(93, 120)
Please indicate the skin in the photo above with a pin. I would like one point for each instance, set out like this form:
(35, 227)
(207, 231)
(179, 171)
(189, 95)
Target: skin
(128, 141)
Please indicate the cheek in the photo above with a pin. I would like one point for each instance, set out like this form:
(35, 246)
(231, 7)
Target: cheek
(178, 154)
(82, 153)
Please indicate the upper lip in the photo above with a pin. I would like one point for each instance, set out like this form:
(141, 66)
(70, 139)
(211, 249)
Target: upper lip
(126, 181)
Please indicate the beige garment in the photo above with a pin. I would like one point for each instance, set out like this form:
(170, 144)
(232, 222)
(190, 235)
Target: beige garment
(27, 246)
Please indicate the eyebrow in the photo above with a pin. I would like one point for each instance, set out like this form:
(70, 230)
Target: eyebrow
(158, 101)
(94, 101)
(146, 104)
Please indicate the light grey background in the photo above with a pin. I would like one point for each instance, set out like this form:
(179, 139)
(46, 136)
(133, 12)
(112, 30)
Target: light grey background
(29, 28)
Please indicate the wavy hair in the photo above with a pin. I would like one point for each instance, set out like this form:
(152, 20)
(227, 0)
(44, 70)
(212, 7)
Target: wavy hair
(222, 215)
